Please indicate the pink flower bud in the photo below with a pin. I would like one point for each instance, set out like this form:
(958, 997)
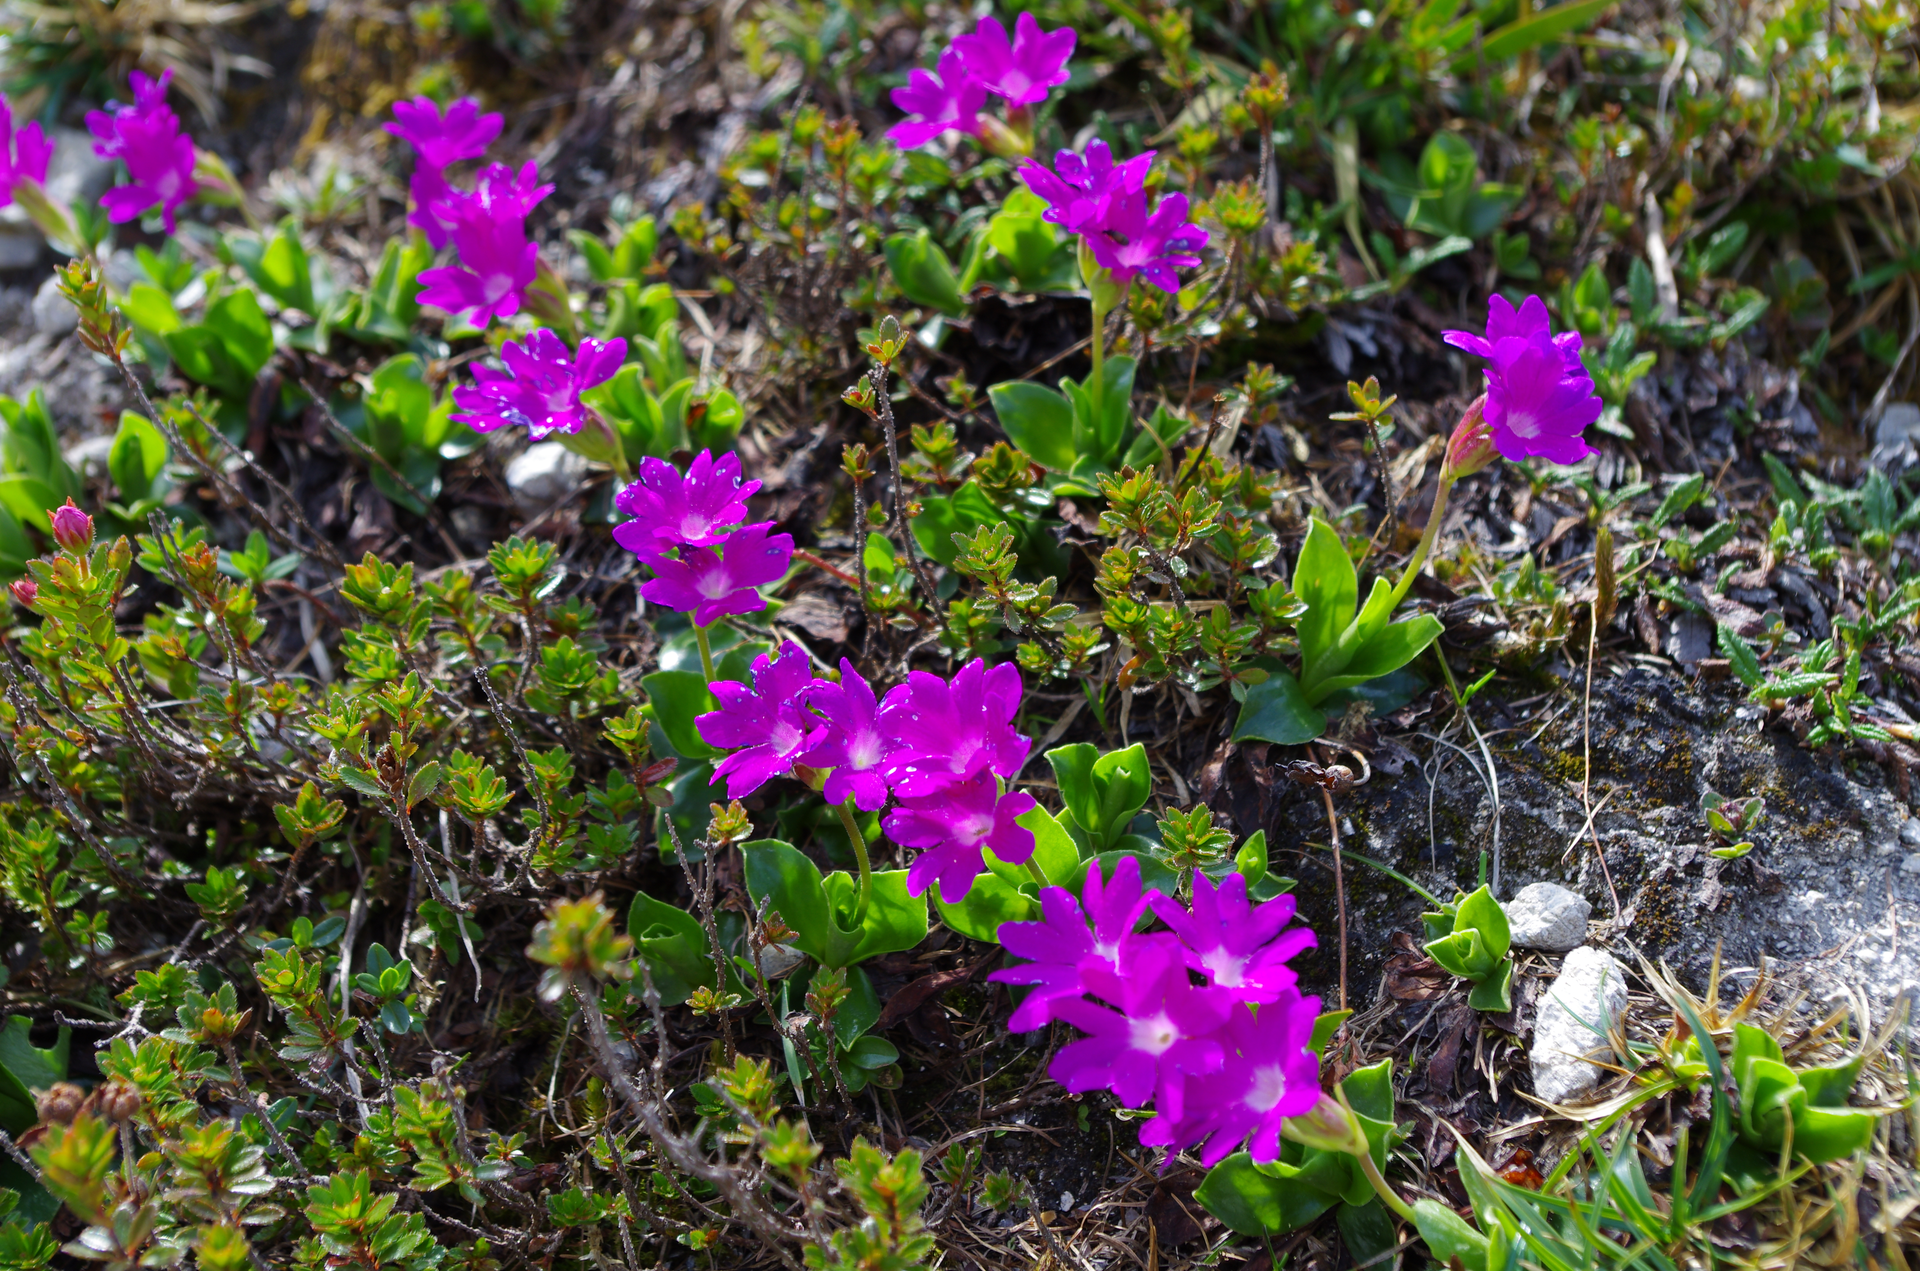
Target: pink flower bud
(1327, 1126)
(72, 528)
(25, 592)
(1471, 447)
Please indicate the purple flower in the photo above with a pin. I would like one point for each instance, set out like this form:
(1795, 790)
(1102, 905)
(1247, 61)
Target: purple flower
(146, 137)
(1062, 948)
(765, 726)
(710, 584)
(1084, 187)
(852, 744)
(23, 154)
(490, 236)
(1266, 1076)
(1162, 1034)
(953, 827)
(698, 509)
(1020, 70)
(438, 141)
(947, 732)
(1539, 396)
(1239, 947)
(948, 101)
(1129, 241)
(540, 389)
(72, 527)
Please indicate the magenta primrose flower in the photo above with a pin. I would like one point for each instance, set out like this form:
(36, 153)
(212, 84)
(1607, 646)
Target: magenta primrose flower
(1239, 947)
(943, 732)
(711, 583)
(1162, 1033)
(946, 99)
(540, 388)
(23, 154)
(1130, 241)
(1022, 69)
(852, 745)
(1067, 943)
(1540, 398)
(438, 142)
(953, 826)
(146, 137)
(489, 230)
(765, 725)
(698, 509)
(1267, 1074)
(1083, 189)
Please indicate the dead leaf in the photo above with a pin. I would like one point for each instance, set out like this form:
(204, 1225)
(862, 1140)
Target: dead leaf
(1412, 976)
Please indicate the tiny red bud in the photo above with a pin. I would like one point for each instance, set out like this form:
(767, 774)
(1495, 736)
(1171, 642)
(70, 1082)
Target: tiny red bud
(1470, 448)
(72, 528)
(25, 592)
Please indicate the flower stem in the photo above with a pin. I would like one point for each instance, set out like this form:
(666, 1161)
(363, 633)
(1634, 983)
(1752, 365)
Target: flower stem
(859, 841)
(706, 651)
(1039, 875)
(1427, 538)
(1380, 1188)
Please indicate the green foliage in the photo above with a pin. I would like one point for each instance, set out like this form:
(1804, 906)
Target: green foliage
(1471, 939)
(832, 921)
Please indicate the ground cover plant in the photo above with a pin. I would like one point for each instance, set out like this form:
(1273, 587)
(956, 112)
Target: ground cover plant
(668, 637)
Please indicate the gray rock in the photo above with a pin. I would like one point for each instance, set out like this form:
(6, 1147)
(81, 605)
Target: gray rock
(1548, 916)
(1576, 1011)
(1911, 865)
(1896, 437)
(1910, 831)
(542, 474)
(89, 457)
(53, 313)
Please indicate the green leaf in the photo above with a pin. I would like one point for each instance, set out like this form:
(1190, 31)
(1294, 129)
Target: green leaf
(284, 271)
(150, 309)
(1494, 994)
(1325, 1025)
(674, 947)
(1396, 645)
(424, 783)
(25, 1068)
(1256, 1204)
(675, 698)
(1037, 420)
(1276, 710)
(923, 273)
(138, 455)
(242, 327)
(30, 501)
(1324, 580)
(1517, 37)
(1103, 792)
(1449, 1236)
(1462, 953)
(991, 900)
(1250, 862)
(1483, 913)
(1368, 1231)
(814, 907)
(1745, 662)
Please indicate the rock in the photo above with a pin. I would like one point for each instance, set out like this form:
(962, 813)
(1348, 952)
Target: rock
(542, 474)
(1911, 865)
(1548, 916)
(89, 457)
(1896, 438)
(1576, 1011)
(1910, 831)
(53, 313)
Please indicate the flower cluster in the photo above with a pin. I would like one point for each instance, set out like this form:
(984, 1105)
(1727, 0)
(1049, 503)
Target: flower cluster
(540, 387)
(1203, 1020)
(1540, 397)
(985, 61)
(1107, 204)
(487, 225)
(942, 750)
(23, 154)
(687, 528)
(146, 137)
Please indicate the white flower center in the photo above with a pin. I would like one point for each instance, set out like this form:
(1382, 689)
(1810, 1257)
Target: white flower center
(1223, 967)
(864, 752)
(1523, 425)
(1269, 1085)
(1154, 1034)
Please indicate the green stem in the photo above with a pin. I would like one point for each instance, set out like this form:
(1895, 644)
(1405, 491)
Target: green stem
(706, 651)
(1039, 875)
(1427, 538)
(1386, 1193)
(1099, 352)
(859, 841)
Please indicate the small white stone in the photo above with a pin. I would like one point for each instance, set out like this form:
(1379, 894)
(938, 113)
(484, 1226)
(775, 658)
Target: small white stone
(1911, 865)
(1910, 831)
(543, 474)
(1576, 1011)
(1066, 1201)
(89, 456)
(1548, 916)
(53, 313)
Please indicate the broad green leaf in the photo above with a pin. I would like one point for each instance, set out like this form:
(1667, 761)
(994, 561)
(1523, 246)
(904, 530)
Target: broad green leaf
(150, 309)
(1103, 792)
(1450, 1237)
(1037, 420)
(139, 453)
(923, 273)
(821, 910)
(1276, 710)
(242, 327)
(1323, 579)
(25, 1068)
(1368, 1231)
(675, 698)
(895, 921)
(992, 900)
(1483, 913)
(1395, 646)
(1257, 1204)
(1517, 37)
(29, 500)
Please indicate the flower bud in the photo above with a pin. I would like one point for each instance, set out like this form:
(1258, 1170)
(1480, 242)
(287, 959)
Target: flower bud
(25, 592)
(1328, 1126)
(1471, 446)
(72, 528)
(59, 1103)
